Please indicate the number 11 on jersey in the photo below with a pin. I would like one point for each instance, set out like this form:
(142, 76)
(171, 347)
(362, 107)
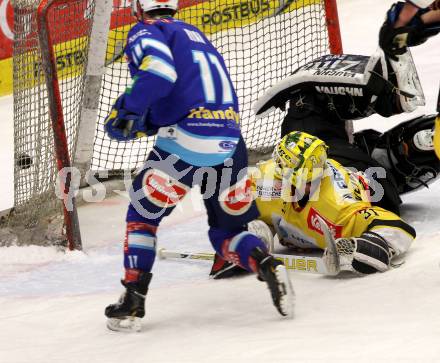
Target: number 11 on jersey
(209, 87)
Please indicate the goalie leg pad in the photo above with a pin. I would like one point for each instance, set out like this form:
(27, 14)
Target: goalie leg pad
(366, 254)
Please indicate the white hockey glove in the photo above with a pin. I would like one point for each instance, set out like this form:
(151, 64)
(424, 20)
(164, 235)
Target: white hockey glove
(366, 254)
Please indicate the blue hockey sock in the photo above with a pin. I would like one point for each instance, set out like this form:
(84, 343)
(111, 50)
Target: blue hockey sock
(139, 247)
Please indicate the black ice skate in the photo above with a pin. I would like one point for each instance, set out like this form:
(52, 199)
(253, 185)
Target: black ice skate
(126, 314)
(274, 273)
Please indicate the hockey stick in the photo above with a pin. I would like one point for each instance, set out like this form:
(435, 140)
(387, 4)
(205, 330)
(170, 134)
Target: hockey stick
(311, 264)
(163, 253)
(118, 53)
(437, 128)
(330, 257)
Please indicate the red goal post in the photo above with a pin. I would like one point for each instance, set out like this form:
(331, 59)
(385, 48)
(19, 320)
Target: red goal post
(49, 62)
(68, 70)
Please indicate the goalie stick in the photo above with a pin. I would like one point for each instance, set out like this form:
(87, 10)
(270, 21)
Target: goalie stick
(437, 128)
(117, 54)
(330, 257)
(315, 264)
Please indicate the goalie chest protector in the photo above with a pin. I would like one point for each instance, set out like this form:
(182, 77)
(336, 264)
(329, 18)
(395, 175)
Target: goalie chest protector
(345, 78)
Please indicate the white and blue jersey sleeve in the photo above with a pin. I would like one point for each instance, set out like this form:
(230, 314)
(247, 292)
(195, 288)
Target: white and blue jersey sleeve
(152, 68)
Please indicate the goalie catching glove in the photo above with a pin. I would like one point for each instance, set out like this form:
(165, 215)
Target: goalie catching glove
(394, 41)
(124, 125)
(366, 254)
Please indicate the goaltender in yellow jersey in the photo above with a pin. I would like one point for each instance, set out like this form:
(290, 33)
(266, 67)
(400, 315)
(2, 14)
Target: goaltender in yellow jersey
(299, 184)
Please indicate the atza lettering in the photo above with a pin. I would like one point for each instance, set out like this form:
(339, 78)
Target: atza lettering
(320, 72)
(244, 9)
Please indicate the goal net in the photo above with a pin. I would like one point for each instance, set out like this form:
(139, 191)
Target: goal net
(69, 68)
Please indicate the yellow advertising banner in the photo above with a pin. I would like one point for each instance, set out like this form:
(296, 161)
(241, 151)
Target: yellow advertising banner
(5, 76)
(208, 16)
(218, 15)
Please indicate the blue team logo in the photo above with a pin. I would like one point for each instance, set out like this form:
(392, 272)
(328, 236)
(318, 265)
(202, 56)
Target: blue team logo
(227, 145)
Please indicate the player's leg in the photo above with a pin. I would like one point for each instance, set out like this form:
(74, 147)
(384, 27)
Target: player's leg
(230, 207)
(155, 191)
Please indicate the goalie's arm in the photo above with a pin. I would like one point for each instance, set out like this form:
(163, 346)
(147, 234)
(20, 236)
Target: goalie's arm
(408, 24)
(411, 8)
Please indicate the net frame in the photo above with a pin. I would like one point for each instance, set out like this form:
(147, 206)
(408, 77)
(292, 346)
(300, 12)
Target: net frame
(49, 62)
(71, 222)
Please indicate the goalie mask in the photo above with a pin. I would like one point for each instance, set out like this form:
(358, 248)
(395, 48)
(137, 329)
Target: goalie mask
(138, 7)
(394, 83)
(300, 157)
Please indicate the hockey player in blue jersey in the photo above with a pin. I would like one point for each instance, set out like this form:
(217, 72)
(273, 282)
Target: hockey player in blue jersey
(181, 91)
